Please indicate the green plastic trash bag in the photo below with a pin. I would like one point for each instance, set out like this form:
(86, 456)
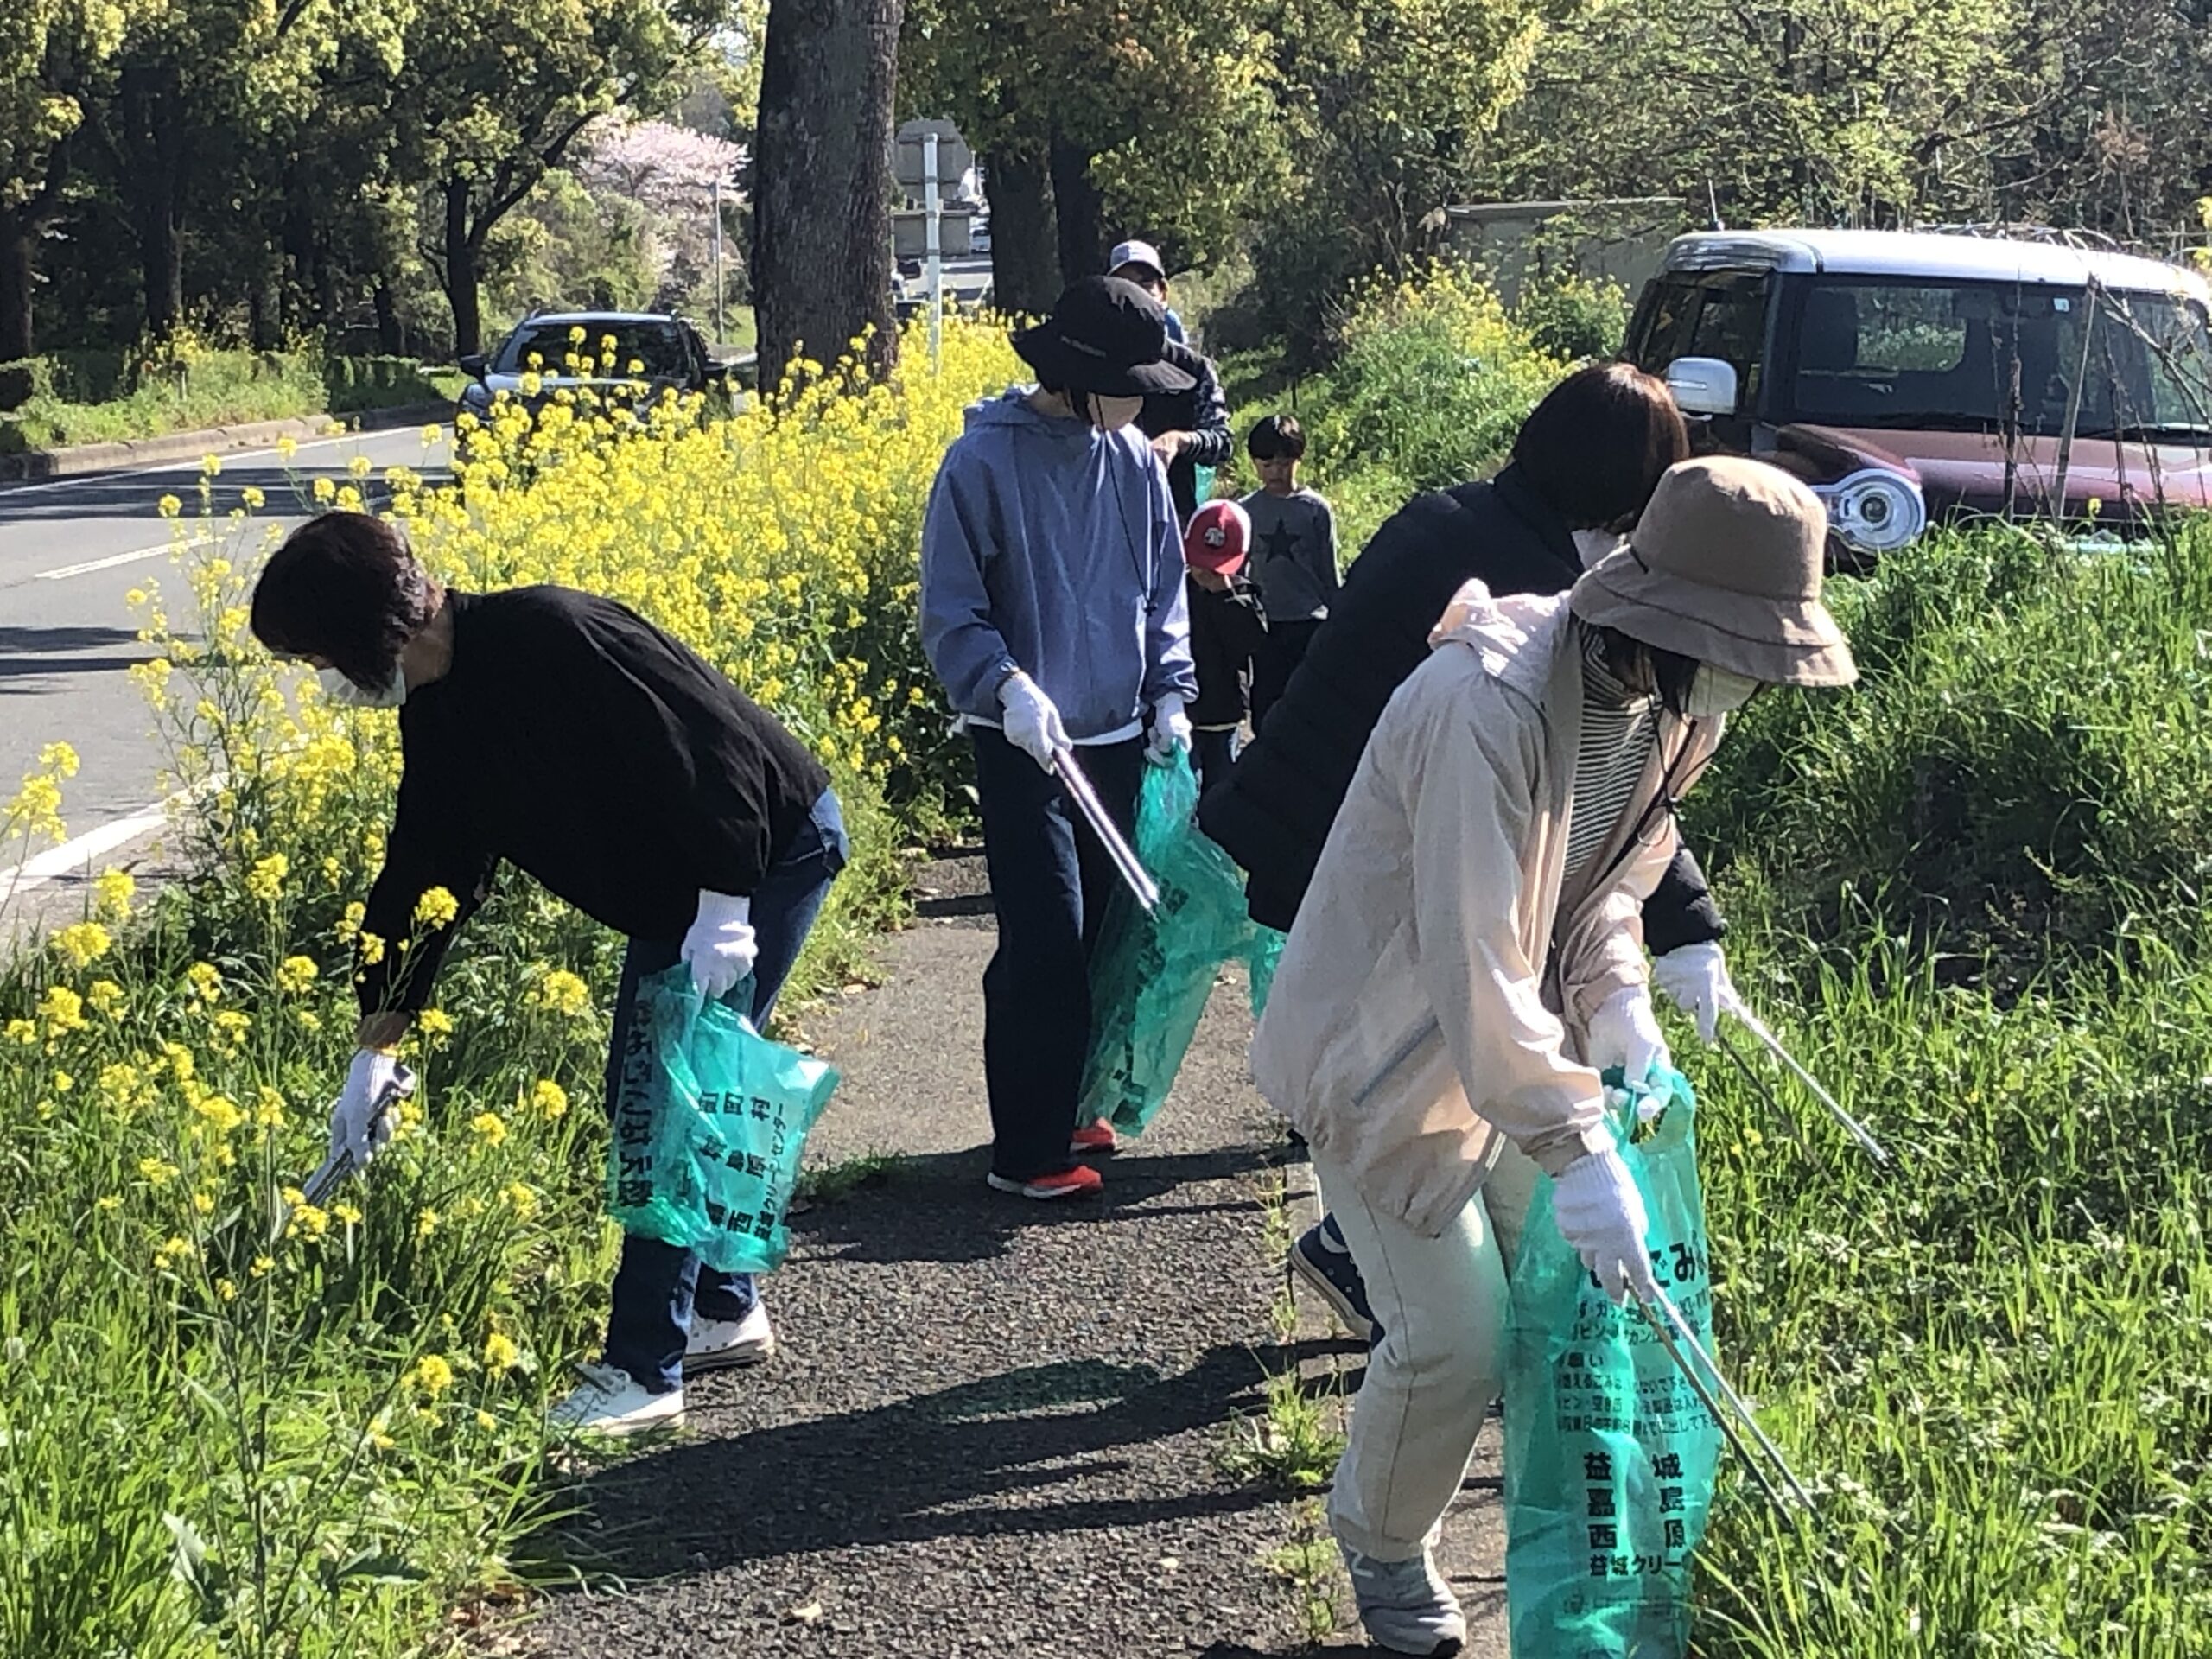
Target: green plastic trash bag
(1201, 484)
(710, 1119)
(1609, 1455)
(1152, 975)
(1267, 955)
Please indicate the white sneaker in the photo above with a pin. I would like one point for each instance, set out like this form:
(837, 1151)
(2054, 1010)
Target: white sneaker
(611, 1403)
(716, 1344)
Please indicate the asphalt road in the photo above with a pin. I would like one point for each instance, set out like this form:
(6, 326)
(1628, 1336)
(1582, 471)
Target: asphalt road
(70, 550)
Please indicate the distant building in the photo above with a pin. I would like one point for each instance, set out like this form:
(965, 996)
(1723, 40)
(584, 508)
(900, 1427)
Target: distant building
(1620, 240)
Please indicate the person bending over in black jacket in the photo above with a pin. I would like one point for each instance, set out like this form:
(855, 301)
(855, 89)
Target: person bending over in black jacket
(565, 734)
(1583, 466)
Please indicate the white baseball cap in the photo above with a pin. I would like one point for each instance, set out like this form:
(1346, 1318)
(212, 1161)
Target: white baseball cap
(1135, 253)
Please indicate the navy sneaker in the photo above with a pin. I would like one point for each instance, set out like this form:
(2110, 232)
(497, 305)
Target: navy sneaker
(1321, 1260)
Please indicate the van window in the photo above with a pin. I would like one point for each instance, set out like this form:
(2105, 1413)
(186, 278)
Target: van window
(1967, 356)
(1722, 315)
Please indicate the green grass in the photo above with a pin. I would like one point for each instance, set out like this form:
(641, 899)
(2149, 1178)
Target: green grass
(1967, 892)
(208, 388)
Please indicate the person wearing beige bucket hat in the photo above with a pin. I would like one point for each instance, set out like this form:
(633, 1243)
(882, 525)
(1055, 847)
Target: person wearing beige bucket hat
(1724, 568)
(1472, 944)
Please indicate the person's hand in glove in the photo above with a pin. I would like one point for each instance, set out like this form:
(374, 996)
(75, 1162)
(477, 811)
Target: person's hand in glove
(1171, 730)
(1695, 979)
(1033, 724)
(367, 1114)
(720, 949)
(1600, 1215)
(1624, 1032)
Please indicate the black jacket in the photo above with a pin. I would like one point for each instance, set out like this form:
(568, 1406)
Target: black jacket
(1273, 810)
(580, 743)
(1203, 412)
(1227, 629)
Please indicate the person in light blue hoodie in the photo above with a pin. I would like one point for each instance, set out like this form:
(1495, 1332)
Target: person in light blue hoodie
(1052, 611)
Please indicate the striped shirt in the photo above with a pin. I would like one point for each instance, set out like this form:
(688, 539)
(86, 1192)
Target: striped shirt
(1619, 729)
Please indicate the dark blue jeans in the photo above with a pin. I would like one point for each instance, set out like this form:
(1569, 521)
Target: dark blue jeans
(659, 1286)
(1050, 881)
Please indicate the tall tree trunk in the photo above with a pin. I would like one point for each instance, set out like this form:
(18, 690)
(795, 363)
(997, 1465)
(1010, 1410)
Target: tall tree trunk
(155, 167)
(821, 183)
(1079, 209)
(391, 334)
(17, 275)
(462, 291)
(1025, 253)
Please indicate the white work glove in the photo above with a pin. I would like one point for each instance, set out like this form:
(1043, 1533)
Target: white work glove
(720, 949)
(1171, 730)
(1624, 1032)
(367, 1114)
(1695, 979)
(1600, 1215)
(1033, 724)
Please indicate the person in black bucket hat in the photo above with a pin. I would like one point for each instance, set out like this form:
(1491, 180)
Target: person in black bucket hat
(1106, 338)
(1053, 612)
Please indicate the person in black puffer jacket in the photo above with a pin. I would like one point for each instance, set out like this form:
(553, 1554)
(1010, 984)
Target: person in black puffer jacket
(1583, 464)
(1188, 429)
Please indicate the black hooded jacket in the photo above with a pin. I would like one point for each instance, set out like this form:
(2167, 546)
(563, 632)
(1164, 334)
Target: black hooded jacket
(1273, 810)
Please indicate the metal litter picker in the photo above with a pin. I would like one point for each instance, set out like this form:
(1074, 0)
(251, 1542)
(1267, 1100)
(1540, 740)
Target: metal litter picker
(1140, 885)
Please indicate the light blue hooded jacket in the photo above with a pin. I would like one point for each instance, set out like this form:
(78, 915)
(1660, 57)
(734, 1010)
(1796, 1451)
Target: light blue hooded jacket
(1052, 547)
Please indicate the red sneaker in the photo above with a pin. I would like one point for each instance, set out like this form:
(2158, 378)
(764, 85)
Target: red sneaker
(1092, 1140)
(1080, 1182)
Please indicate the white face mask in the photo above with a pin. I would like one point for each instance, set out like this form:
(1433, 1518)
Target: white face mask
(1594, 544)
(1112, 413)
(337, 688)
(1715, 691)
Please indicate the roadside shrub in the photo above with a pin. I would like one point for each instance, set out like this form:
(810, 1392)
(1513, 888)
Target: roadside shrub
(1572, 317)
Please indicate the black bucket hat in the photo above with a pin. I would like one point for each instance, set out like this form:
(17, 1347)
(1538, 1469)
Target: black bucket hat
(1107, 337)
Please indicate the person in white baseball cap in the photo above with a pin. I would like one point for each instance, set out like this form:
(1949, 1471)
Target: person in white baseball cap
(1139, 262)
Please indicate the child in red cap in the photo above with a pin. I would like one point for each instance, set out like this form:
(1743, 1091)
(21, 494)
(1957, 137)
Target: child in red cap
(1228, 629)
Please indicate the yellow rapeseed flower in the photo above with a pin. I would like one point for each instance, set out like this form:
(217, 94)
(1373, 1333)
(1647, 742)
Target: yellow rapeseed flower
(296, 974)
(266, 882)
(500, 1353)
(435, 908)
(561, 992)
(22, 1030)
(62, 1008)
(254, 499)
(59, 758)
(490, 1127)
(175, 1254)
(169, 507)
(549, 1097)
(105, 997)
(432, 1374)
(83, 943)
(205, 979)
(287, 447)
(157, 1173)
(434, 1023)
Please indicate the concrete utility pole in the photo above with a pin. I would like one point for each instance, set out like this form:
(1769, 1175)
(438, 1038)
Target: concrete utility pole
(933, 246)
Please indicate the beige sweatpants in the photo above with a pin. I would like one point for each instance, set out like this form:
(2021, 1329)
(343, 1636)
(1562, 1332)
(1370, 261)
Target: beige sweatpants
(1441, 1303)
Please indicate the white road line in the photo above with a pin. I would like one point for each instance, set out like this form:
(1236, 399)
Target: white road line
(114, 559)
(76, 856)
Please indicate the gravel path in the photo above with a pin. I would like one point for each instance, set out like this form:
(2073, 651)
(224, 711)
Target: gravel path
(994, 1427)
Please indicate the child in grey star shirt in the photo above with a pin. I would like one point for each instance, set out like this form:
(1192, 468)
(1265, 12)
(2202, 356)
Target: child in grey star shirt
(1294, 559)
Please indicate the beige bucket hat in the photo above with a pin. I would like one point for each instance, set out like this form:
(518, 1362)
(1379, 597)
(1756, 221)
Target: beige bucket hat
(1724, 566)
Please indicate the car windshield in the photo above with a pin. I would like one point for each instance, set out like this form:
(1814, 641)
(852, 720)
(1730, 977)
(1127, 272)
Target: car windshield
(1992, 357)
(658, 347)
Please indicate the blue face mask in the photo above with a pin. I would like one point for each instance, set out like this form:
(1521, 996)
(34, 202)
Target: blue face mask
(342, 692)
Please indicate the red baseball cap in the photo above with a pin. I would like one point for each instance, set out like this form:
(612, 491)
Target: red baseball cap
(1219, 535)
